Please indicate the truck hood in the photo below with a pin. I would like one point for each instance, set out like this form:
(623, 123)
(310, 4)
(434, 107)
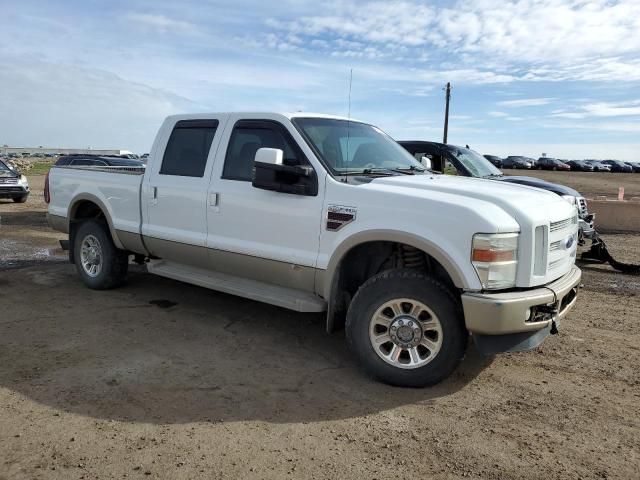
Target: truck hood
(519, 201)
(543, 184)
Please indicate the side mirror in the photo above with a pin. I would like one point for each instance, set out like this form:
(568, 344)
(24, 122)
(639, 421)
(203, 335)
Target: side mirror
(270, 173)
(271, 156)
(426, 162)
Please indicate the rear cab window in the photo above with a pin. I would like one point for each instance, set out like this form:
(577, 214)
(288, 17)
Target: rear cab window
(188, 148)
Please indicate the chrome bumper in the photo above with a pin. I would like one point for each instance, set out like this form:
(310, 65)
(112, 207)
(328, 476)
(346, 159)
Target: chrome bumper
(524, 311)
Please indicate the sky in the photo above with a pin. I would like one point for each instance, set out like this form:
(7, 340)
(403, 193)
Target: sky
(560, 77)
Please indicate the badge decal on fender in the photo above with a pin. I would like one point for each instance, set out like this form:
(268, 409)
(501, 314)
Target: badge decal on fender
(338, 216)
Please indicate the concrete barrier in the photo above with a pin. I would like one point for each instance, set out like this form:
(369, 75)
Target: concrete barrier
(616, 216)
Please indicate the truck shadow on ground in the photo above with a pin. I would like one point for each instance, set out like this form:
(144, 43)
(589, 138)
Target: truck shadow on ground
(160, 351)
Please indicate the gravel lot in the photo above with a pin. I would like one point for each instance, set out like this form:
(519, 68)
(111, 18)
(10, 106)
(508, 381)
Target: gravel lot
(164, 380)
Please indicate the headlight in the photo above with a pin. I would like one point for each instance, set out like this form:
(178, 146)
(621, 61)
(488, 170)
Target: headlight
(570, 198)
(23, 181)
(495, 259)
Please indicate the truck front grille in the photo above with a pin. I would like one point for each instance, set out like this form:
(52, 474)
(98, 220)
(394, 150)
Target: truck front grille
(8, 181)
(562, 224)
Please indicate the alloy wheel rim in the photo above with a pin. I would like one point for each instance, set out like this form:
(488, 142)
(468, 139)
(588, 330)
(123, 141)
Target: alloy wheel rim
(405, 333)
(91, 256)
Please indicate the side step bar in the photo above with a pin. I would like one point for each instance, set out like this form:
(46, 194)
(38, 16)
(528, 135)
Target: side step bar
(262, 292)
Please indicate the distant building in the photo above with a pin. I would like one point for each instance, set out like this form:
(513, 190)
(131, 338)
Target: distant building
(4, 150)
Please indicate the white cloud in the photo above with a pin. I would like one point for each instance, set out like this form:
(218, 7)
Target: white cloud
(498, 114)
(525, 102)
(68, 106)
(601, 109)
(159, 22)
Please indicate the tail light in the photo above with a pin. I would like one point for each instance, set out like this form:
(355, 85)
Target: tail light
(47, 193)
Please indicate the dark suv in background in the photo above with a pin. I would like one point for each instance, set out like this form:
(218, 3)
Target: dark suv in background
(618, 166)
(96, 161)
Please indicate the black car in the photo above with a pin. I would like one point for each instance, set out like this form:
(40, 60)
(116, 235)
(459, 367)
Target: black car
(580, 165)
(97, 161)
(618, 166)
(547, 163)
(463, 161)
(496, 161)
(635, 166)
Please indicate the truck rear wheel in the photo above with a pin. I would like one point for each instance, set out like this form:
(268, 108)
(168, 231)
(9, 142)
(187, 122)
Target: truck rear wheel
(100, 264)
(406, 328)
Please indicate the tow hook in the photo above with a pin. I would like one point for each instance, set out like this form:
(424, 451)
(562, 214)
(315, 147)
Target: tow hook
(551, 311)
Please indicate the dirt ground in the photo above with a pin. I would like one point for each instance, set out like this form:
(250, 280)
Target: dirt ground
(589, 184)
(160, 379)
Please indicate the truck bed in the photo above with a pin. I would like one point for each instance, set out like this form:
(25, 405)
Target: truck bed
(115, 189)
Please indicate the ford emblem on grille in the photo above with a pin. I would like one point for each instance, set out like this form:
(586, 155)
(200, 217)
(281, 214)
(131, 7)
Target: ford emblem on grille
(568, 242)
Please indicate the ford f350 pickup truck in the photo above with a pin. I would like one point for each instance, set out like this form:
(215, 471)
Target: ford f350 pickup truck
(319, 213)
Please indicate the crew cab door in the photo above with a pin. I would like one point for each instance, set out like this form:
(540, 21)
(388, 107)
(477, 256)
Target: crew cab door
(175, 191)
(259, 234)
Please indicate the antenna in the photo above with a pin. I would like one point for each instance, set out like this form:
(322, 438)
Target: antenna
(348, 120)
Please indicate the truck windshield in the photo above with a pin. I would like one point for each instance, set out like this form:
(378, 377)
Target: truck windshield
(474, 163)
(353, 147)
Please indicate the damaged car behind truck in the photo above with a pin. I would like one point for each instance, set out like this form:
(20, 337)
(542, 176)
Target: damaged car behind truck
(325, 214)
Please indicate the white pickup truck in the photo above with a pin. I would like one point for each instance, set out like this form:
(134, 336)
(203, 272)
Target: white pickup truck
(320, 213)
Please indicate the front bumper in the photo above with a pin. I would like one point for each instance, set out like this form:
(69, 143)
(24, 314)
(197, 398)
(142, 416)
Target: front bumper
(14, 191)
(523, 311)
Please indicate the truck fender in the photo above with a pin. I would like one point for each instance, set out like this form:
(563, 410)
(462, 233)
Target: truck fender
(88, 197)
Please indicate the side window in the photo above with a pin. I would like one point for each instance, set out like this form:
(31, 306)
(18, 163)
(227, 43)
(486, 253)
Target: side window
(188, 148)
(449, 168)
(247, 137)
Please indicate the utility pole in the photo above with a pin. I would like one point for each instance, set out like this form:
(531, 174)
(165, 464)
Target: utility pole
(447, 90)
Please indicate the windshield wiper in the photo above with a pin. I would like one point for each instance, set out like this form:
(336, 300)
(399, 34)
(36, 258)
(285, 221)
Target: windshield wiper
(383, 171)
(494, 175)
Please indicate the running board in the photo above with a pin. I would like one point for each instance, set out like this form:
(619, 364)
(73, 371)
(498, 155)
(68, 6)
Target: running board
(262, 292)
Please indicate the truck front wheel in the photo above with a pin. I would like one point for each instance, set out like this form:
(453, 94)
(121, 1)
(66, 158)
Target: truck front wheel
(100, 264)
(406, 328)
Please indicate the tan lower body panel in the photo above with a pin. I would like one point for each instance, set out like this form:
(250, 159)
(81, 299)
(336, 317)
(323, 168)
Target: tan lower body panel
(260, 269)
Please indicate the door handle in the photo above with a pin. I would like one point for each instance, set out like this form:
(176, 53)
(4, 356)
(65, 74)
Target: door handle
(213, 199)
(154, 196)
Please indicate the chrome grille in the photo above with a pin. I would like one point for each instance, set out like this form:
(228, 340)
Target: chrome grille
(8, 181)
(555, 245)
(562, 224)
(557, 262)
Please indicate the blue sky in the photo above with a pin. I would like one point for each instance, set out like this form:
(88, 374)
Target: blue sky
(554, 76)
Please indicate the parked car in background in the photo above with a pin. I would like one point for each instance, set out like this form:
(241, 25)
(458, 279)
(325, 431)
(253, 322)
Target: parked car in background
(635, 166)
(517, 162)
(450, 159)
(580, 166)
(13, 184)
(96, 161)
(618, 166)
(547, 163)
(495, 160)
(530, 160)
(598, 166)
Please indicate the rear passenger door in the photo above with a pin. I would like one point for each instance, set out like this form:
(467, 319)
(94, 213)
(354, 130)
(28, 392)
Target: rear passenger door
(175, 193)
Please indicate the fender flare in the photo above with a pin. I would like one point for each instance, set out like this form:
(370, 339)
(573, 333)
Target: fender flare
(88, 197)
(457, 276)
